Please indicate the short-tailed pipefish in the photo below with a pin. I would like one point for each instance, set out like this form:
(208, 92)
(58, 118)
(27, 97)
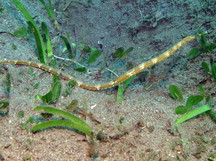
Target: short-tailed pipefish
(114, 82)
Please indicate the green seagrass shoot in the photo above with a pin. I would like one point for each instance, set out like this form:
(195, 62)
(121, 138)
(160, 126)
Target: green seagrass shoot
(192, 108)
(195, 112)
(35, 30)
(121, 89)
(54, 94)
(175, 92)
(204, 47)
(210, 69)
(69, 121)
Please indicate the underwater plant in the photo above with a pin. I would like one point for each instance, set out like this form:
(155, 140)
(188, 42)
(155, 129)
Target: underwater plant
(69, 121)
(35, 30)
(54, 94)
(191, 102)
(210, 69)
(4, 107)
(195, 112)
(4, 103)
(50, 11)
(175, 92)
(121, 89)
(204, 47)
